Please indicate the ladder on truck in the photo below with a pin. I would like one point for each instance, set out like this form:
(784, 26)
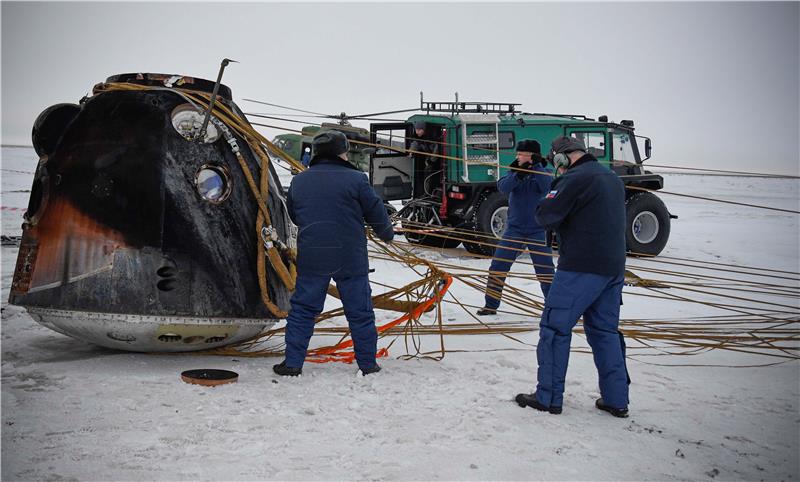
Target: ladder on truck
(487, 158)
(475, 113)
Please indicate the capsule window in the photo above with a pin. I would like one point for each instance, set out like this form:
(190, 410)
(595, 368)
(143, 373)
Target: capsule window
(187, 121)
(213, 183)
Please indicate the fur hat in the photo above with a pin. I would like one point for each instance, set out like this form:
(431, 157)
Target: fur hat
(529, 145)
(329, 143)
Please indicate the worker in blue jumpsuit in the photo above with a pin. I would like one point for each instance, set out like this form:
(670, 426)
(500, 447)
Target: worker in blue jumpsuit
(525, 184)
(330, 203)
(305, 160)
(586, 208)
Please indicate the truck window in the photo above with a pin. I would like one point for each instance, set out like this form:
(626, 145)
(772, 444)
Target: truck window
(395, 138)
(506, 140)
(595, 142)
(622, 147)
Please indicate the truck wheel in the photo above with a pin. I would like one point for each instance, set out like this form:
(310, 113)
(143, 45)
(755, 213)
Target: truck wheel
(437, 242)
(491, 219)
(647, 224)
(423, 215)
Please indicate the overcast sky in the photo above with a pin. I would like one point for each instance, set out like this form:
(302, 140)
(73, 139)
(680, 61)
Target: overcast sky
(714, 84)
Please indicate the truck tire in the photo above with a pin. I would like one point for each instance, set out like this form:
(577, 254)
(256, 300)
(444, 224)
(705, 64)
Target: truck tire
(474, 248)
(439, 241)
(422, 215)
(491, 218)
(647, 224)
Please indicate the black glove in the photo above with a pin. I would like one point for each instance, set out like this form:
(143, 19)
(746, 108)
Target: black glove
(522, 174)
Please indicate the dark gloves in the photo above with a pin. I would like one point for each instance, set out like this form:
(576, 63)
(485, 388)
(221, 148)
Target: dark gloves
(520, 173)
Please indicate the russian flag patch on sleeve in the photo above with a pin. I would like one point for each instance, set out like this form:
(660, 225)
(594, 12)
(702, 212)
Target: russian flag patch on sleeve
(551, 194)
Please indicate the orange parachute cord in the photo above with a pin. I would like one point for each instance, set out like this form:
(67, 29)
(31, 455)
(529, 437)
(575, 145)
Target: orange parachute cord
(339, 351)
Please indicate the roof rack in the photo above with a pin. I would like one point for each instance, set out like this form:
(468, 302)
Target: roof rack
(571, 116)
(472, 107)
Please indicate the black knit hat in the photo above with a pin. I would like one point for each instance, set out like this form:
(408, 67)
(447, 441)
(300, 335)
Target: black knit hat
(565, 145)
(419, 124)
(529, 145)
(329, 143)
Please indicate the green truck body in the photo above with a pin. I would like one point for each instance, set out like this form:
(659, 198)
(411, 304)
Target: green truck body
(476, 143)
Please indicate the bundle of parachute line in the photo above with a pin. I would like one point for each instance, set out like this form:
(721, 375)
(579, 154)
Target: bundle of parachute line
(752, 310)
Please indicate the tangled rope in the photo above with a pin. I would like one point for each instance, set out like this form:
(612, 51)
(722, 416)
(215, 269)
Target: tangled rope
(756, 326)
(772, 330)
(414, 300)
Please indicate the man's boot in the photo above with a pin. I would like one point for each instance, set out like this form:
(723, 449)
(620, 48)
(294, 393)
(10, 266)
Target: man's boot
(286, 371)
(374, 369)
(617, 412)
(529, 400)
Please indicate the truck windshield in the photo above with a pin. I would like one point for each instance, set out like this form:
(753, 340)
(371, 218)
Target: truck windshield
(623, 150)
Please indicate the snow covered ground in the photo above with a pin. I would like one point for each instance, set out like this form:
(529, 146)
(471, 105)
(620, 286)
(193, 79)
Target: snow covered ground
(75, 411)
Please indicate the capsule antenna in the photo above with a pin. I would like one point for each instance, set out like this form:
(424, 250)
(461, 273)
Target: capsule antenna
(222, 66)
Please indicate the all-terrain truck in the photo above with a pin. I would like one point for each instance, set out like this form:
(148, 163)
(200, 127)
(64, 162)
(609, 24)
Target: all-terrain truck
(455, 186)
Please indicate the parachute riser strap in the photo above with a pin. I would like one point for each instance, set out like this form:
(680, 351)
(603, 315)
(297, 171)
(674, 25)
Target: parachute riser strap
(269, 235)
(274, 257)
(260, 195)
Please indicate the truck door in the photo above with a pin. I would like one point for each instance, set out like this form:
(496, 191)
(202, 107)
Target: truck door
(480, 152)
(391, 171)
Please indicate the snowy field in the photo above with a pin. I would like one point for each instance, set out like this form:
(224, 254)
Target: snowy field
(73, 411)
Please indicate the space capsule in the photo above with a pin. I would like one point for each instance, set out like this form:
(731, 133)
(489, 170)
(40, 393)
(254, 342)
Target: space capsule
(141, 232)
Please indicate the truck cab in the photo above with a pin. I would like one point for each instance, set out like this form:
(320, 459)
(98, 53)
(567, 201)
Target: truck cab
(451, 180)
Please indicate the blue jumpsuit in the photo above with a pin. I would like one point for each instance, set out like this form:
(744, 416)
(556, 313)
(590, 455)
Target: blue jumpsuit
(586, 207)
(330, 202)
(522, 232)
